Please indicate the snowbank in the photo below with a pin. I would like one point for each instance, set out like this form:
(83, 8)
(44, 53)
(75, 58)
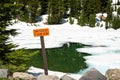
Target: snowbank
(59, 74)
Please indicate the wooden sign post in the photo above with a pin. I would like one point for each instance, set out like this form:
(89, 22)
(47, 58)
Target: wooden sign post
(41, 33)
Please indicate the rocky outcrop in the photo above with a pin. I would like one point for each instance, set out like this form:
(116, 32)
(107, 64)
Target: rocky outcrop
(93, 74)
(65, 77)
(21, 75)
(4, 73)
(113, 74)
(47, 77)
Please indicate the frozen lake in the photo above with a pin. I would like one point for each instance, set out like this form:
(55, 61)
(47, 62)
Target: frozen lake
(105, 48)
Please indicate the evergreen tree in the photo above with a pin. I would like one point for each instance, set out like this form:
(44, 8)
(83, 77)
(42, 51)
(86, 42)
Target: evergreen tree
(71, 20)
(108, 8)
(44, 6)
(5, 17)
(103, 5)
(66, 8)
(34, 10)
(118, 11)
(116, 22)
(21, 13)
(17, 60)
(56, 9)
(90, 7)
(81, 19)
(78, 8)
(75, 7)
(92, 20)
(107, 24)
(72, 7)
(109, 12)
(30, 10)
(115, 7)
(97, 6)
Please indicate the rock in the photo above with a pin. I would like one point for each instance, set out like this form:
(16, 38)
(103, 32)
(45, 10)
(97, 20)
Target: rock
(65, 77)
(35, 71)
(4, 73)
(47, 77)
(93, 74)
(21, 75)
(113, 74)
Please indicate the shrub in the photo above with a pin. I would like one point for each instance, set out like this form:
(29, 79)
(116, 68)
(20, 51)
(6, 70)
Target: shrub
(71, 21)
(81, 19)
(116, 22)
(17, 60)
(54, 19)
(92, 20)
(3, 78)
(118, 10)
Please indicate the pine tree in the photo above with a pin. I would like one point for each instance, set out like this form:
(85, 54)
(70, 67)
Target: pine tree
(66, 8)
(71, 20)
(75, 7)
(81, 19)
(115, 7)
(30, 10)
(44, 6)
(118, 11)
(109, 12)
(90, 7)
(5, 17)
(72, 7)
(34, 10)
(56, 9)
(92, 20)
(78, 8)
(103, 5)
(97, 6)
(116, 22)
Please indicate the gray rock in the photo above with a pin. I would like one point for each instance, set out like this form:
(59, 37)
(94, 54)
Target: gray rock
(47, 77)
(65, 77)
(4, 73)
(93, 74)
(113, 74)
(21, 75)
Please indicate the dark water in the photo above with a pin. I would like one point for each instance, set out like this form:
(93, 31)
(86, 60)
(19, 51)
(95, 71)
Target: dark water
(64, 59)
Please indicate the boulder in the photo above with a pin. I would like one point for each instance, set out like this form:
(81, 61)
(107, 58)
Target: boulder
(93, 74)
(35, 71)
(47, 77)
(21, 75)
(4, 73)
(65, 77)
(113, 74)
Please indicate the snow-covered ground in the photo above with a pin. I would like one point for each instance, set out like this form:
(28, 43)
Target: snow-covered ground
(114, 1)
(106, 43)
(59, 74)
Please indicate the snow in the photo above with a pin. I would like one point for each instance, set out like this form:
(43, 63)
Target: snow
(114, 13)
(115, 1)
(100, 14)
(59, 74)
(105, 50)
(105, 14)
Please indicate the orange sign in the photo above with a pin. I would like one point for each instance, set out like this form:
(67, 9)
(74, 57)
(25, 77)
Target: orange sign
(41, 32)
